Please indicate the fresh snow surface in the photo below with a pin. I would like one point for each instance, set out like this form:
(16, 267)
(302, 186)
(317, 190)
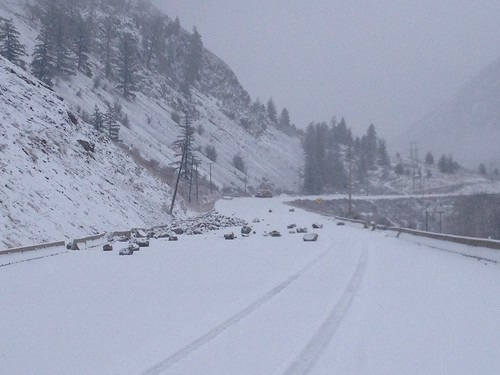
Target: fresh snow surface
(353, 302)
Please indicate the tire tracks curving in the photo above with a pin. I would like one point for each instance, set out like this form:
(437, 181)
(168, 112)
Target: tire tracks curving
(306, 359)
(236, 318)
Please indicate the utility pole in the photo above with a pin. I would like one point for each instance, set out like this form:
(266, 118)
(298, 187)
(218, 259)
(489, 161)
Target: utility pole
(184, 156)
(191, 178)
(196, 176)
(245, 180)
(178, 178)
(440, 212)
(210, 166)
(301, 175)
(413, 158)
(349, 211)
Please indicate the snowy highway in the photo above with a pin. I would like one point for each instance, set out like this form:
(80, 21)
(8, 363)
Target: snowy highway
(354, 302)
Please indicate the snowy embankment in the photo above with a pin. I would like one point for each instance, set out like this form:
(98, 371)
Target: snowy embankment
(354, 302)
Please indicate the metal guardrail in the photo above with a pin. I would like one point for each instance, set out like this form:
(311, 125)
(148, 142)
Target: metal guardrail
(470, 241)
(78, 242)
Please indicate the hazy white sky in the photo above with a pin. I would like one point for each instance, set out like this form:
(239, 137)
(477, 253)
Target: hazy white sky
(386, 62)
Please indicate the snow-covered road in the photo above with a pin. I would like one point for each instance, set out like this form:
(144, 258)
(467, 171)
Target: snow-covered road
(354, 302)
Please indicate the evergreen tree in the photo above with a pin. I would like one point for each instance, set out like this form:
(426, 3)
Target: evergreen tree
(193, 58)
(443, 164)
(97, 119)
(82, 45)
(43, 65)
(154, 41)
(108, 35)
(10, 47)
(111, 123)
(482, 169)
(362, 168)
(239, 163)
(446, 164)
(399, 169)
(58, 22)
(211, 153)
(176, 25)
(321, 150)
(311, 184)
(314, 146)
(259, 115)
(356, 146)
(127, 65)
(349, 141)
(383, 157)
(429, 159)
(284, 120)
(341, 132)
(371, 147)
(335, 174)
(271, 111)
(56, 18)
(184, 143)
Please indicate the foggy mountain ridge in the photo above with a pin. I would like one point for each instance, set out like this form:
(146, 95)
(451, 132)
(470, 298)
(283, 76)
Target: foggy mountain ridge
(467, 127)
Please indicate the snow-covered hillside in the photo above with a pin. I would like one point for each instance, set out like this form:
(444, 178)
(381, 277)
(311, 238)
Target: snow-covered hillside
(52, 188)
(218, 100)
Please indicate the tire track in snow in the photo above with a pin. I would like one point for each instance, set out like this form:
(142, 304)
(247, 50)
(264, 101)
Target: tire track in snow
(306, 359)
(31, 259)
(213, 333)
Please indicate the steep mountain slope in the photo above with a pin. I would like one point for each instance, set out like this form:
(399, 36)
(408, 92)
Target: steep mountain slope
(221, 108)
(468, 126)
(52, 187)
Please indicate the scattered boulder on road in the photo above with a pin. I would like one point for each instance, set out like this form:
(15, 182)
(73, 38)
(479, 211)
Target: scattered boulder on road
(310, 237)
(142, 242)
(126, 251)
(107, 247)
(229, 236)
(198, 225)
(246, 230)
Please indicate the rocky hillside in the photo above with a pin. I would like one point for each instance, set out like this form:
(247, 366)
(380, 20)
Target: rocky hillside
(225, 118)
(60, 178)
(63, 178)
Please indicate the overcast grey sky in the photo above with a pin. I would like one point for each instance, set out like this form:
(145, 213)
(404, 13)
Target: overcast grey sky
(382, 62)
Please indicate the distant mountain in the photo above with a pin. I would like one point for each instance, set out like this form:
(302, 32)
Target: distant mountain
(468, 126)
